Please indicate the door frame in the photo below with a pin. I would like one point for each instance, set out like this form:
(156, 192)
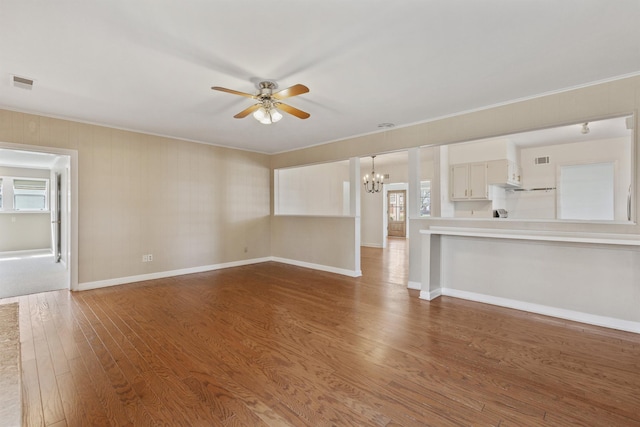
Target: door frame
(404, 206)
(71, 218)
(394, 187)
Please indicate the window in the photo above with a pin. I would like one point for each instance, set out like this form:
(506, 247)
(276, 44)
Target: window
(425, 198)
(30, 194)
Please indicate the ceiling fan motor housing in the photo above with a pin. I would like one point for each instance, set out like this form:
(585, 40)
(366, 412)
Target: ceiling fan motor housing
(266, 89)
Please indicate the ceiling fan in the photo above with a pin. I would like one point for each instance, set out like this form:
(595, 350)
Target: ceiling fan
(266, 110)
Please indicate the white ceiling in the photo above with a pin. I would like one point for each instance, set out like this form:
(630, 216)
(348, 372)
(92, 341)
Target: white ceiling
(148, 65)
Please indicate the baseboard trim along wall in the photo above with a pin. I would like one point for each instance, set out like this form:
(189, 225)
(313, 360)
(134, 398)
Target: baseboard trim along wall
(576, 316)
(164, 274)
(327, 268)
(430, 295)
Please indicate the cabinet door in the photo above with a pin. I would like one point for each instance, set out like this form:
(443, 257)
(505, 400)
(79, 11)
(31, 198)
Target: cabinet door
(513, 175)
(459, 184)
(497, 172)
(478, 181)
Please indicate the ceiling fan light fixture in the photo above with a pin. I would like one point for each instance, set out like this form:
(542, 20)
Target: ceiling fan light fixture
(267, 115)
(259, 114)
(275, 115)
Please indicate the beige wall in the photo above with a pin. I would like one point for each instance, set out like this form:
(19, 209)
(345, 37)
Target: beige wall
(608, 99)
(188, 204)
(326, 242)
(192, 204)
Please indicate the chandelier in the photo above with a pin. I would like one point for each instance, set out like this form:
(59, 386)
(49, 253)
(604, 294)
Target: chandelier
(375, 185)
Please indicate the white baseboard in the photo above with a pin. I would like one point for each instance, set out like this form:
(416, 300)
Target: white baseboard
(431, 295)
(163, 274)
(328, 268)
(576, 316)
(25, 252)
(414, 285)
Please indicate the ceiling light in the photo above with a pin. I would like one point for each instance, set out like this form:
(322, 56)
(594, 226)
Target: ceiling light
(267, 114)
(375, 185)
(585, 128)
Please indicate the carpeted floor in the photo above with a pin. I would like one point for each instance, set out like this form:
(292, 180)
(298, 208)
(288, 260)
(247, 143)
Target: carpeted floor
(30, 273)
(10, 393)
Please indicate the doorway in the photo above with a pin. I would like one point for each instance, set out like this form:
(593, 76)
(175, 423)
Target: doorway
(396, 213)
(42, 258)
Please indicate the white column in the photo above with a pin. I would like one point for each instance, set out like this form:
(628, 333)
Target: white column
(414, 183)
(354, 206)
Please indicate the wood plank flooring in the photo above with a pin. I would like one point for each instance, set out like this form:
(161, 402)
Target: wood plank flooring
(277, 345)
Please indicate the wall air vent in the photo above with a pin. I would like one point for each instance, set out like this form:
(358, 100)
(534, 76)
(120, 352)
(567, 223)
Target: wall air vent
(386, 176)
(542, 160)
(22, 82)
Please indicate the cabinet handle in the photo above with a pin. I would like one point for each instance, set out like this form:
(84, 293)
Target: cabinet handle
(471, 193)
(465, 193)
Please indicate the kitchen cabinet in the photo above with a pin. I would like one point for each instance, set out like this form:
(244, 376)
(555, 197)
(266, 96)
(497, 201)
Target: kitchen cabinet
(504, 173)
(468, 181)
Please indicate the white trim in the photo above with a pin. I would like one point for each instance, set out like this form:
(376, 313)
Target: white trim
(430, 295)
(112, 126)
(546, 236)
(576, 316)
(165, 274)
(25, 252)
(414, 285)
(328, 268)
(171, 273)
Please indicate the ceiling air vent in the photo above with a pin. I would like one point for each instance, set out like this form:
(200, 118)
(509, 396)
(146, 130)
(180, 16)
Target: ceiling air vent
(542, 160)
(22, 82)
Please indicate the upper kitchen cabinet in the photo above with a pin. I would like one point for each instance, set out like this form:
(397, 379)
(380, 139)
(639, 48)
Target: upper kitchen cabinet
(500, 157)
(469, 181)
(504, 173)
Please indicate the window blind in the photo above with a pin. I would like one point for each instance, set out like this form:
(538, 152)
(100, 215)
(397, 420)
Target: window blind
(29, 184)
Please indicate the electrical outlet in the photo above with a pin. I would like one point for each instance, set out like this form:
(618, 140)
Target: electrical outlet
(150, 257)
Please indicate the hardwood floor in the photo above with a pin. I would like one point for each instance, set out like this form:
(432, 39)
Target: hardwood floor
(272, 344)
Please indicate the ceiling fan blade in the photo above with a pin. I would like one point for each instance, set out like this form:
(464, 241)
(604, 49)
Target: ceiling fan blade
(291, 91)
(293, 111)
(234, 92)
(244, 113)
